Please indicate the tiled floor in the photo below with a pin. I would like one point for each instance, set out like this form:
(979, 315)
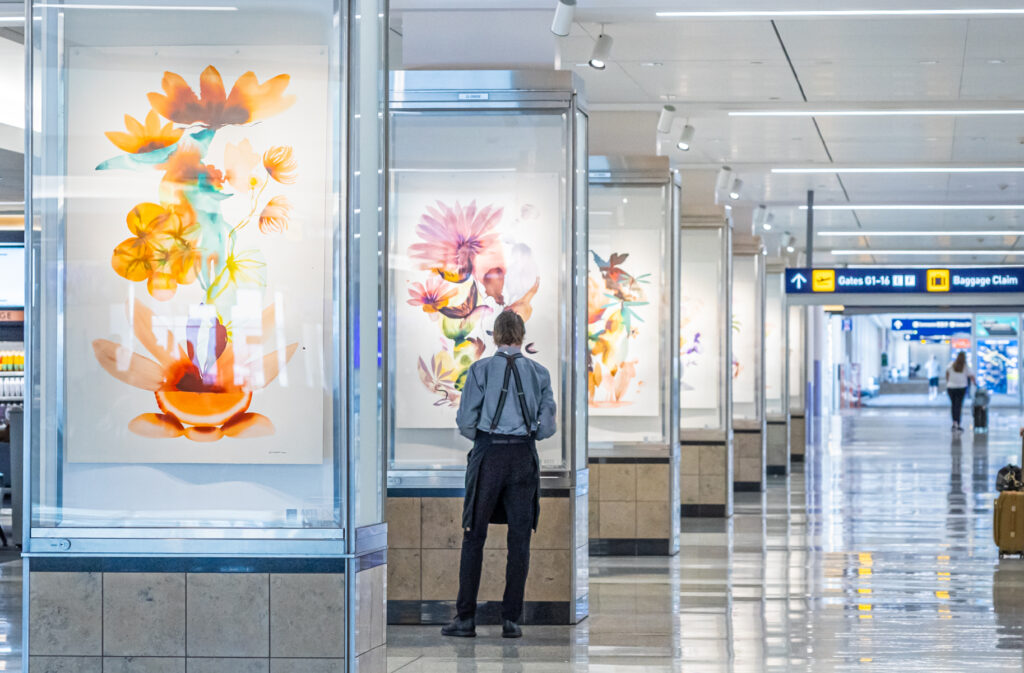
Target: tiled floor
(879, 558)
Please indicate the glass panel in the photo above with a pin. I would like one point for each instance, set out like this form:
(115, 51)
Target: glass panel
(703, 277)
(797, 379)
(366, 256)
(499, 179)
(747, 331)
(185, 349)
(628, 313)
(774, 345)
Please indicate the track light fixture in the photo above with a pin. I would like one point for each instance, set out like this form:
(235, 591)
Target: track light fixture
(602, 50)
(735, 189)
(565, 12)
(686, 138)
(724, 179)
(668, 115)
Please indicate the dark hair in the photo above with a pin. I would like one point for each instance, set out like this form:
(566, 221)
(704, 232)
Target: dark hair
(960, 363)
(509, 329)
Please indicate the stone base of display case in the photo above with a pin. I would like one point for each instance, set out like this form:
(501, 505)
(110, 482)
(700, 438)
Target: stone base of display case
(631, 506)
(424, 550)
(706, 478)
(797, 438)
(150, 615)
(777, 449)
(749, 474)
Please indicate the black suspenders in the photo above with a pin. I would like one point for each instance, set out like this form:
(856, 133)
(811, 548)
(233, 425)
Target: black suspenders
(510, 369)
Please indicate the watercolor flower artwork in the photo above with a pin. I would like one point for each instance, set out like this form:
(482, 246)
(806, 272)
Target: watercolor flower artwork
(691, 344)
(187, 240)
(472, 268)
(613, 297)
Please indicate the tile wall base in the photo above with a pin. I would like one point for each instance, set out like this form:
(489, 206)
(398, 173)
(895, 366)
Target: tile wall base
(630, 547)
(488, 613)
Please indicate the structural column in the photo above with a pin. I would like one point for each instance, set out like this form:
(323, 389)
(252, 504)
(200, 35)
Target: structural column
(204, 471)
(505, 151)
(633, 336)
(775, 382)
(706, 421)
(796, 375)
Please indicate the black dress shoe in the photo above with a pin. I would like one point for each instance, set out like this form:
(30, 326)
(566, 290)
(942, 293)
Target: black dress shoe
(460, 628)
(511, 630)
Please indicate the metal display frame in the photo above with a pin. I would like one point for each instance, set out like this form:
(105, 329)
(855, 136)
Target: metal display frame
(481, 92)
(753, 248)
(656, 173)
(357, 90)
(724, 432)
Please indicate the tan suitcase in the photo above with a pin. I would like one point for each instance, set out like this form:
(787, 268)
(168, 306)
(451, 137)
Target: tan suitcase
(1008, 523)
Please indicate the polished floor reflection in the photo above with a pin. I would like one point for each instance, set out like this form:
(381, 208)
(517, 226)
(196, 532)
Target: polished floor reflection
(877, 557)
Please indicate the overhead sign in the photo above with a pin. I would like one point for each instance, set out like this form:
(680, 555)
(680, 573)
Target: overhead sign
(905, 281)
(934, 326)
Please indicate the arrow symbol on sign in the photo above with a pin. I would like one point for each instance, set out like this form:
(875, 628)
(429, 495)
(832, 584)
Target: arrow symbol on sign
(799, 280)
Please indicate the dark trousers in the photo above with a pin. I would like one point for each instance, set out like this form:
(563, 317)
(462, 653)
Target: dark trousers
(507, 476)
(956, 398)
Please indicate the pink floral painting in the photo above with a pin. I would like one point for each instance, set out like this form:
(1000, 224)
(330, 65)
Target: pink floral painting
(471, 269)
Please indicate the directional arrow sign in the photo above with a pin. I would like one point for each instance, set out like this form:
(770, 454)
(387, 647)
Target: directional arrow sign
(799, 280)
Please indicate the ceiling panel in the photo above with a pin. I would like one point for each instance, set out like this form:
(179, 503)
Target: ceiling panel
(722, 81)
(880, 81)
(995, 39)
(874, 40)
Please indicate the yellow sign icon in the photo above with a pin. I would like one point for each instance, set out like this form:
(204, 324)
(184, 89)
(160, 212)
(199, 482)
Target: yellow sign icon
(938, 280)
(823, 280)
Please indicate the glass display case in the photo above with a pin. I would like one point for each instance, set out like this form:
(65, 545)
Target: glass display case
(775, 339)
(748, 330)
(704, 335)
(497, 157)
(204, 227)
(797, 359)
(632, 303)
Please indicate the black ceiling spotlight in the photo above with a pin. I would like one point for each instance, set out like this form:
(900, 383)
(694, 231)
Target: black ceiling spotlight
(602, 50)
(565, 12)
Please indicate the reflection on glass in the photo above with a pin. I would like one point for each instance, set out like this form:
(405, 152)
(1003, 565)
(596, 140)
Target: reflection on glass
(478, 226)
(702, 269)
(184, 235)
(627, 310)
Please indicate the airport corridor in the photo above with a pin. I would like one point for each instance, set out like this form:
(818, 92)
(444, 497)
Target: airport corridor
(877, 556)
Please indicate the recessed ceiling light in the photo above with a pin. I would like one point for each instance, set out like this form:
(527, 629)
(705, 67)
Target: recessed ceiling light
(921, 206)
(668, 96)
(143, 8)
(838, 13)
(652, 64)
(894, 112)
(996, 61)
(929, 62)
(936, 252)
(902, 169)
(857, 233)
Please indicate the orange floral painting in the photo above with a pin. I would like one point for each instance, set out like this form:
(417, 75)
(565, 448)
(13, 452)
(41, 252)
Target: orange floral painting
(179, 239)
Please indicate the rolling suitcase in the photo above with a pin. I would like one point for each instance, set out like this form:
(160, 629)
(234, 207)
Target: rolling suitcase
(1008, 513)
